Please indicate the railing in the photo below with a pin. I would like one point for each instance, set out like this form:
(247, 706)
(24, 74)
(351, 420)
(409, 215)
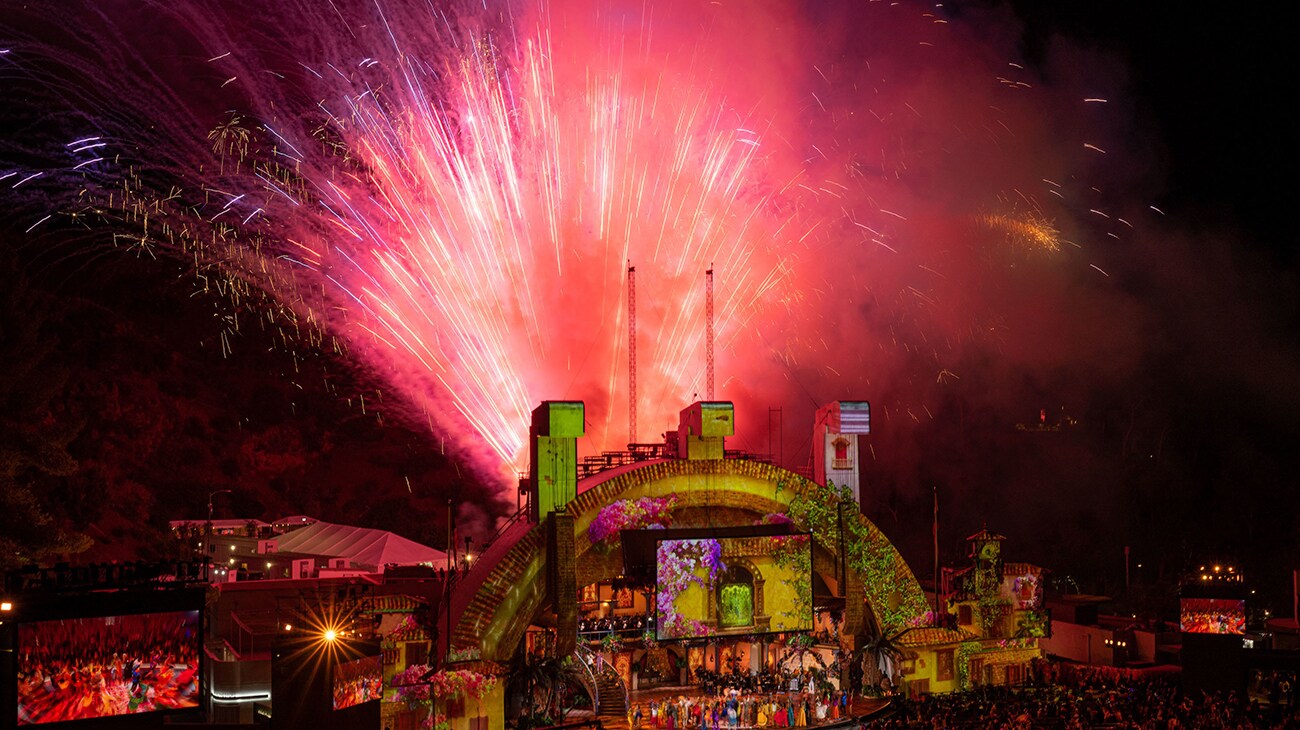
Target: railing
(587, 658)
(510, 521)
(589, 678)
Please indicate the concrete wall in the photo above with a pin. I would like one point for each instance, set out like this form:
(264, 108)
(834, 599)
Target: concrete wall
(1086, 644)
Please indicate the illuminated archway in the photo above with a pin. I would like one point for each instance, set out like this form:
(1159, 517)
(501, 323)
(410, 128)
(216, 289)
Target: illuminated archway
(709, 493)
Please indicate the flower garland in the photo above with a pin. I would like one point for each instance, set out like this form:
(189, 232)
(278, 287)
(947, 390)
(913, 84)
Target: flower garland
(454, 683)
(461, 683)
(1031, 582)
(463, 655)
(611, 643)
(627, 514)
(680, 563)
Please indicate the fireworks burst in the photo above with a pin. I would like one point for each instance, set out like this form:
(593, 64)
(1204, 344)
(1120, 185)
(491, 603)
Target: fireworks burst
(1031, 231)
(450, 197)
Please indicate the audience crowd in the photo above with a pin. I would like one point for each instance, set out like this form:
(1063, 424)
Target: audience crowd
(1090, 700)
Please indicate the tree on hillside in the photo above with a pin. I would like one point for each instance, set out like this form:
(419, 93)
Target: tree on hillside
(33, 438)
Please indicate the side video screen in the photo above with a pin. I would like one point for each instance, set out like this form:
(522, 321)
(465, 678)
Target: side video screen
(1212, 616)
(360, 680)
(87, 668)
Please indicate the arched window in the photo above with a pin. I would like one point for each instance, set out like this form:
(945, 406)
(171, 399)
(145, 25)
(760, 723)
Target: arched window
(736, 599)
(842, 459)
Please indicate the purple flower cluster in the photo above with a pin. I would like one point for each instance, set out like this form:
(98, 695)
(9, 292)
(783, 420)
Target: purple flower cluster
(775, 518)
(627, 514)
(678, 563)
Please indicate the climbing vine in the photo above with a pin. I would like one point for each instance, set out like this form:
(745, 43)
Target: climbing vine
(963, 663)
(817, 508)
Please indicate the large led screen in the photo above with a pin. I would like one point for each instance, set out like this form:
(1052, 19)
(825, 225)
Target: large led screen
(360, 680)
(86, 668)
(733, 585)
(1213, 616)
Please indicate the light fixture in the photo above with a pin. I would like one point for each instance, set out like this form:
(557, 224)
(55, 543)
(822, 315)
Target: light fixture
(331, 634)
(6, 606)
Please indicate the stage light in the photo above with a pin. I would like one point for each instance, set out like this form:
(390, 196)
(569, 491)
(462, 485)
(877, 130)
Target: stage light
(331, 634)
(6, 606)
(288, 627)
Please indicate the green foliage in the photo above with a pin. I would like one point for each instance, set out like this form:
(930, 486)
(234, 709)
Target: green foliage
(817, 508)
(736, 605)
(963, 663)
(1032, 624)
(544, 681)
(792, 555)
(991, 608)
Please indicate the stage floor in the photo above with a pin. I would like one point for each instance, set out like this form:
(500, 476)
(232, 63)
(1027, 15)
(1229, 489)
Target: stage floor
(861, 708)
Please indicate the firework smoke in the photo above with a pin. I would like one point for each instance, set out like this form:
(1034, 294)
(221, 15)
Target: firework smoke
(449, 197)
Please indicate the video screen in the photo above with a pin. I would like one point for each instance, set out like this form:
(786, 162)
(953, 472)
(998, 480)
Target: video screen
(360, 680)
(86, 668)
(733, 585)
(1212, 616)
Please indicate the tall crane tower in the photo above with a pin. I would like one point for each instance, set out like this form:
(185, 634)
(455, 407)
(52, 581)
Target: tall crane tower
(708, 334)
(631, 354)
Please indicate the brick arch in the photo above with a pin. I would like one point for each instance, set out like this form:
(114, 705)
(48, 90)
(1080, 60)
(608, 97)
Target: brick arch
(513, 592)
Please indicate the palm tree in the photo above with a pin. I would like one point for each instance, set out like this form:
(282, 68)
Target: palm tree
(542, 682)
(880, 659)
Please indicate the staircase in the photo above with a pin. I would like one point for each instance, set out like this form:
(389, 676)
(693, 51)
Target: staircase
(613, 695)
(609, 694)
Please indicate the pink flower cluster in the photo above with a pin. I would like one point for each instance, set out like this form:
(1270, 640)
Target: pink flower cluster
(678, 561)
(627, 514)
(464, 683)
(775, 518)
(461, 683)
(408, 685)
(926, 618)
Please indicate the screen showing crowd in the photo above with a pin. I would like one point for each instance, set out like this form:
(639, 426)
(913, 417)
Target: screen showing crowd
(360, 680)
(85, 668)
(733, 585)
(1213, 616)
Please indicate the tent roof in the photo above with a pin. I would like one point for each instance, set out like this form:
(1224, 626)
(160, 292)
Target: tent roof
(360, 545)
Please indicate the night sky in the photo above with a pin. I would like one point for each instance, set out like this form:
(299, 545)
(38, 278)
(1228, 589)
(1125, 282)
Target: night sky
(141, 387)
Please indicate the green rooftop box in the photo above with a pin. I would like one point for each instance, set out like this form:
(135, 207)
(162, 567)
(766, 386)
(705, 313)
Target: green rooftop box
(710, 419)
(559, 419)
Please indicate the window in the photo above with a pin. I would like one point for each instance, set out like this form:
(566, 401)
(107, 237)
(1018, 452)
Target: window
(1015, 674)
(736, 598)
(945, 670)
(964, 615)
(842, 459)
(908, 663)
(416, 653)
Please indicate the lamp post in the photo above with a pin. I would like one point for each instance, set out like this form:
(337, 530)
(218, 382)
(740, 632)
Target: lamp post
(207, 536)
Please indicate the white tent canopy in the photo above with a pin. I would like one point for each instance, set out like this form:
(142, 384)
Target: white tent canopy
(362, 547)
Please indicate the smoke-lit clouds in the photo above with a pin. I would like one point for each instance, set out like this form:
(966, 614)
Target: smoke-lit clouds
(880, 165)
